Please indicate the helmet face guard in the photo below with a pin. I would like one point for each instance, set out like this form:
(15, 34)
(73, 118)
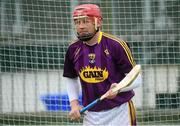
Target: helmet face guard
(84, 11)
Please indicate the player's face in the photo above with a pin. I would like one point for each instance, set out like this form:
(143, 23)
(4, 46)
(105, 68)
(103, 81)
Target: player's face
(84, 25)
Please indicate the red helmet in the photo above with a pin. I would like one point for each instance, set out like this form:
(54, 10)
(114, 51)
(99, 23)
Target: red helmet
(90, 10)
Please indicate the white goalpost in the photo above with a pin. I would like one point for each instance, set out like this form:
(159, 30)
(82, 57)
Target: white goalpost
(35, 34)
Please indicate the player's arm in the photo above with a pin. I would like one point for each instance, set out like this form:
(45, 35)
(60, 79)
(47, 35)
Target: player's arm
(136, 83)
(70, 77)
(126, 63)
(132, 80)
(73, 92)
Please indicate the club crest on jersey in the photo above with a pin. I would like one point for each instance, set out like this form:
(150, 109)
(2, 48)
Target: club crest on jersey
(92, 57)
(106, 52)
(93, 75)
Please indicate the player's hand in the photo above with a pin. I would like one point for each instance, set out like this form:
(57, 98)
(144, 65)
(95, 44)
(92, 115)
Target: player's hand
(74, 114)
(110, 94)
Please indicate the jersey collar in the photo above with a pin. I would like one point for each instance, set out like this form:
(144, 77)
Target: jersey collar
(100, 37)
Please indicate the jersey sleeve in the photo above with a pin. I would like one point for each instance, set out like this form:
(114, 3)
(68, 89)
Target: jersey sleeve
(69, 70)
(124, 58)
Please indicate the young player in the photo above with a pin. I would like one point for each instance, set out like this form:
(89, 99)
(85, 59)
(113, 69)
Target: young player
(101, 61)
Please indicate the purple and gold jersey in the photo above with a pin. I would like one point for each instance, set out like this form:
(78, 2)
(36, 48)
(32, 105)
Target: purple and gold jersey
(99, 66)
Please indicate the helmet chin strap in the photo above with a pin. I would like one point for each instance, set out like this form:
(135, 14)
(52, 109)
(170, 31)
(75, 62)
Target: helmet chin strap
(87, 36)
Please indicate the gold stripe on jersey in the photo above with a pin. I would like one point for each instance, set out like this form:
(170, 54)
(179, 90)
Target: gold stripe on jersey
(129, 113)
(125, 47)
(132, 112)
(129, 51)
